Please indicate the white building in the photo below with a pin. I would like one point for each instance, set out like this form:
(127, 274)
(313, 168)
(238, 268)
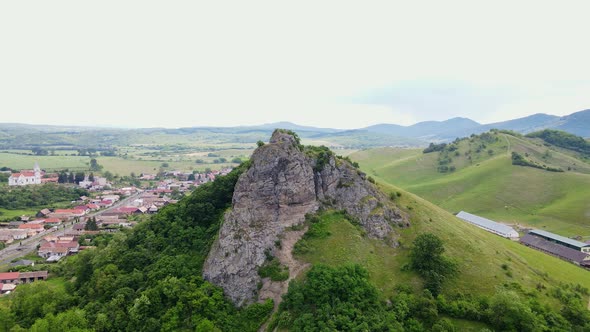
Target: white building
(26, 177)
(489, 225)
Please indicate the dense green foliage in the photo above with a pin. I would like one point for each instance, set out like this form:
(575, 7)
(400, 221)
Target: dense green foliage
(518, 159)
(316, 230)
(21, 197)
(434, 147)
(427, 259)
(292, 133)
(343, 299)
(273, 269)
(506, 131)
(148, 279)
(33, 301)
(563, 139)
(509, 309)
(320, 154)
(333, 299)
(447, 152)
(91, 224)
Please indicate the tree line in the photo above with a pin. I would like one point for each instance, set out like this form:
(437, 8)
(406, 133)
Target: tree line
(24, 197)
(563, 140)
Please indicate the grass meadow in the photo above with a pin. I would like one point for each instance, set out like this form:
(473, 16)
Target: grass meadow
(486, 261)
(489, 185)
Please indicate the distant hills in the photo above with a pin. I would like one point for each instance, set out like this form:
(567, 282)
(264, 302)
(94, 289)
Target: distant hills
(14, 136)
(479, 174)
(577, 123)
(433, 130)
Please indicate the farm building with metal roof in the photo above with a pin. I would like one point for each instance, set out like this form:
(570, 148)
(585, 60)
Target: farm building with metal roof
(489, 225)
(555, 249)
(562, 240)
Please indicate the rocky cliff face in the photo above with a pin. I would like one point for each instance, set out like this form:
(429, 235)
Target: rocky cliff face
(282, 185)
(342, 187)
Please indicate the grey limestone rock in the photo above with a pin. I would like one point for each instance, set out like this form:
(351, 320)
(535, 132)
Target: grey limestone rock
(276, 192)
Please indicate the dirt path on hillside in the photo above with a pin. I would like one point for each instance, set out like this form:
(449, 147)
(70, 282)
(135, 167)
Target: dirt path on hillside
(508, 148)
(275, 289)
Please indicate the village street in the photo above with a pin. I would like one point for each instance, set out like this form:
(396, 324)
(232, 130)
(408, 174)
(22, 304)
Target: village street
(24, 247)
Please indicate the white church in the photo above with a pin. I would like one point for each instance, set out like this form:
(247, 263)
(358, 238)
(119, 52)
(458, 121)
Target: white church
(26, 177)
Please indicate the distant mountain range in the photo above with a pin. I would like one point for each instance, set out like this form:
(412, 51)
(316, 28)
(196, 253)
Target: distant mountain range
(14, 135)
(577, 123)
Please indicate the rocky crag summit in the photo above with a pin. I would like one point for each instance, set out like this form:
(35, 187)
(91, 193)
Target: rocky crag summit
(284, 183)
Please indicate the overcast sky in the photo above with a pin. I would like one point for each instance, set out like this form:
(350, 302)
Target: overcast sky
(323, 63)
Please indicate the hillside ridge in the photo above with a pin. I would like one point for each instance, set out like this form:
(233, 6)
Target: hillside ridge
(483, 174)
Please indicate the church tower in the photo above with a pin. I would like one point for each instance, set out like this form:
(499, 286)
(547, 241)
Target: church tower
(37, 171)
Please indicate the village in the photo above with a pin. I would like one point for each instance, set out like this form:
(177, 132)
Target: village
(56, 233)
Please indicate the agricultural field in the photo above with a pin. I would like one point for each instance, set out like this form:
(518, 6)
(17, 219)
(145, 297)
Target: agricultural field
(49, 163)
(132, 161)
(488, 184)
(6, 214)
(137, 159)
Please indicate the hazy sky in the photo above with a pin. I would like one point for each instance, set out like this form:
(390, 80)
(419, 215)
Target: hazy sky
(341, 64)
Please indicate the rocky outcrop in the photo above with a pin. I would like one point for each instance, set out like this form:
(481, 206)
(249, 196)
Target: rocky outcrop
(282, 185)
(343, 187)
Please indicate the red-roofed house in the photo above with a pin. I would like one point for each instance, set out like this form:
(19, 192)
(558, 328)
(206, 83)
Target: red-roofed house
(129, 209)
(51, 179)
(58, 249)
(55, 221)
(75, 212)
(84, 208)
(67, 213)
(93, 206)
(105, 203)
(9, 277)
(125, 210)
(9, 280)
(32, 229)
(38, 227)
(26, 177)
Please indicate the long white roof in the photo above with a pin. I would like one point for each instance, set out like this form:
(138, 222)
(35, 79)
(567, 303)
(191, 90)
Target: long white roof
(481, 221)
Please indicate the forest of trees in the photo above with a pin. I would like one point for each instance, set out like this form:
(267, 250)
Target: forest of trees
(563, 140)
(146, 279)
(23, 197)
(520, 160)
(434, 147)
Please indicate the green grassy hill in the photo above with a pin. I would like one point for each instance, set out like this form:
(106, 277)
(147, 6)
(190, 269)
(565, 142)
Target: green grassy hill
(484, 181)
(488, 265)
(480, 254)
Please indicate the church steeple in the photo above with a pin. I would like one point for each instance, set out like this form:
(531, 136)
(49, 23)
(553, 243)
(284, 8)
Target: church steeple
(38, 174)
